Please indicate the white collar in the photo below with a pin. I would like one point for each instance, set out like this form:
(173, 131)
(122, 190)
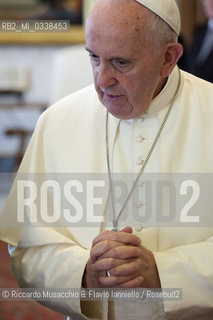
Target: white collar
(167, 93)
(164, 97)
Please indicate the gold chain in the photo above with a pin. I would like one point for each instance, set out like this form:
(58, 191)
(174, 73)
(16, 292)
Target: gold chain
(115, 220)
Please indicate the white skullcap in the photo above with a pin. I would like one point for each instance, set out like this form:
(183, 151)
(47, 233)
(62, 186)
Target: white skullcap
(167, 10)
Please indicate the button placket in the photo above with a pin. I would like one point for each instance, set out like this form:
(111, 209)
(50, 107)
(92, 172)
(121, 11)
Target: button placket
(139, 120)
(139, 138)
(139, 161)
(138, 228)
(140, 204)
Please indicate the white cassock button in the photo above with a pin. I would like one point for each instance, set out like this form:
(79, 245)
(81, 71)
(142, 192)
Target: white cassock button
(139, 139)
(140, 183)
(139, 161)
(140, 205)
(140, 120)
(138, 228)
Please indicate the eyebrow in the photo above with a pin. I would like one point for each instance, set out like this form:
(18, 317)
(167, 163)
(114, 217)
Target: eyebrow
(90, 51)
(118, 58)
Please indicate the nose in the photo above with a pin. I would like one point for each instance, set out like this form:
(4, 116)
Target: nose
(104, 76)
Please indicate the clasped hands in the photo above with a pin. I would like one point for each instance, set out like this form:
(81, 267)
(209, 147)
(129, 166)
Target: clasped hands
(121, 253)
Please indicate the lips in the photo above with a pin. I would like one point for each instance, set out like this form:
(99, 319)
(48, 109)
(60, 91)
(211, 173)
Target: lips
(112, 97)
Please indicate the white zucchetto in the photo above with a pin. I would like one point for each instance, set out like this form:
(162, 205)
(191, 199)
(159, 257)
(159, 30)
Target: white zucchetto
(167, 10)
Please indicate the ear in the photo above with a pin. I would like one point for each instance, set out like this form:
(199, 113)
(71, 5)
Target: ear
(173, 52)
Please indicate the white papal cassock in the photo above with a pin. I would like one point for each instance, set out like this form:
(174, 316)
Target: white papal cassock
(70, 138)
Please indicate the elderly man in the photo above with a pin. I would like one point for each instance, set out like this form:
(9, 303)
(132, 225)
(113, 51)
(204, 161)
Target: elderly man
(147, 117)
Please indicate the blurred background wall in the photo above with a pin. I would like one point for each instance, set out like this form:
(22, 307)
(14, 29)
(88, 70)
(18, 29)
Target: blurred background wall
(192, 14)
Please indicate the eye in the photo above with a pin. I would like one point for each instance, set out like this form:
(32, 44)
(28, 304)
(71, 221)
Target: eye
(121, 62)
(94, 57)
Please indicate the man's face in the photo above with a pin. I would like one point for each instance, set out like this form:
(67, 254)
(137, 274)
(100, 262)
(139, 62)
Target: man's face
(126, 68)
(208, 7)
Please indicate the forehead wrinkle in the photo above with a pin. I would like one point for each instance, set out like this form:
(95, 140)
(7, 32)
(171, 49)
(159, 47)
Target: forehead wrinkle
(124, 16)
(111, 46)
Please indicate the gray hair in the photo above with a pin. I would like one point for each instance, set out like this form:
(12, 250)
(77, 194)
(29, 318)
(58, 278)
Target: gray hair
(159, 31)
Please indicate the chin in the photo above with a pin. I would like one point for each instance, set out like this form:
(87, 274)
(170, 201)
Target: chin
(118, 113)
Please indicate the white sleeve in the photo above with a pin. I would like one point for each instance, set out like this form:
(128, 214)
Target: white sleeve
(190, 268)
(52, 266)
